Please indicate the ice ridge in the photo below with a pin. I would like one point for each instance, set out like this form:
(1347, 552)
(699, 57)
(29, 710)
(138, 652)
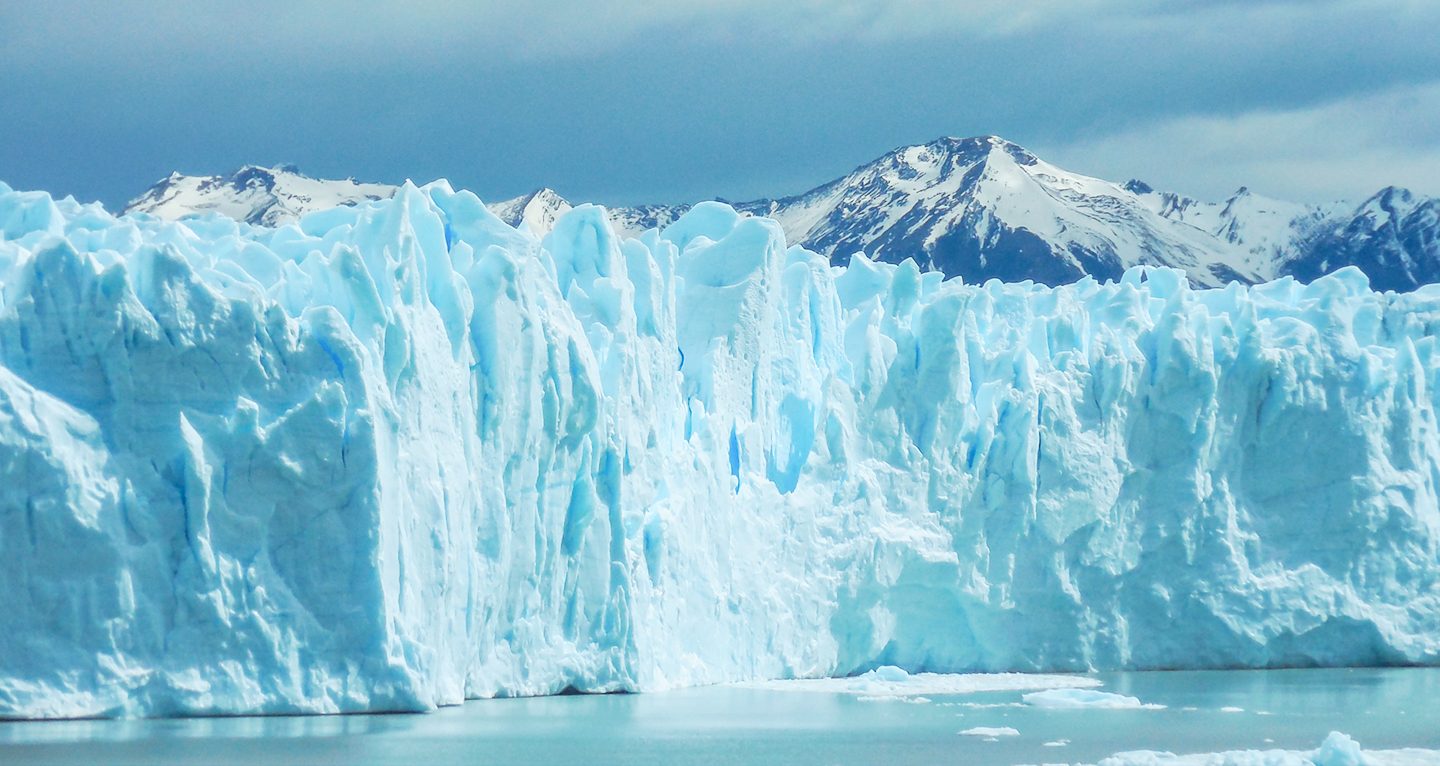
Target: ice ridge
(400, 454)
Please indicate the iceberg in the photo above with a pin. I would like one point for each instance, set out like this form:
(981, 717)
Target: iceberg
(1084, 699)
(397, 455)
(990, 732)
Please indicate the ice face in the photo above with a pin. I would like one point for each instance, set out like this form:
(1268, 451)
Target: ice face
(401, 454)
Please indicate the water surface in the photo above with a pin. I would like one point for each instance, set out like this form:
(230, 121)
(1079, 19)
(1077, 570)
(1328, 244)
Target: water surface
(1293, 709)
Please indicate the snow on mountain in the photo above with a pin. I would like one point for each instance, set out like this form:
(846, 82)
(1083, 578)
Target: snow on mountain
(977, 208)
(1267, 232)
(255, 195)
(402, 453)
(1394, 237)
(535, 212)
(632, 222)
(986, 208)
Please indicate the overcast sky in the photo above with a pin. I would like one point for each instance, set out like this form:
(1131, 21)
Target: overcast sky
(627, 102)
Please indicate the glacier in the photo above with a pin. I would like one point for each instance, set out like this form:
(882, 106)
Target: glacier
(400, 454)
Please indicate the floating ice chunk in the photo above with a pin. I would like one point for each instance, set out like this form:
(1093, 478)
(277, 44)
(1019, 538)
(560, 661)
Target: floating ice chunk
(1339, 750)
(891, 674)
(1065, 699)
(990, 731)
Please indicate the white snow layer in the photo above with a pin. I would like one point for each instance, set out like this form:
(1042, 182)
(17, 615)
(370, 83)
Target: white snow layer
(401, 454)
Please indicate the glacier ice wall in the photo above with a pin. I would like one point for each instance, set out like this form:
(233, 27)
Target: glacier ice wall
(401, 454)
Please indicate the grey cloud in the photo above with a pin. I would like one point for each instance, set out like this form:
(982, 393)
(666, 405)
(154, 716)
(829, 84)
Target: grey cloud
(1346, 149)
(632, 101)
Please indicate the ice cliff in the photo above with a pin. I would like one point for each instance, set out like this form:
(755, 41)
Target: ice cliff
(401, 454)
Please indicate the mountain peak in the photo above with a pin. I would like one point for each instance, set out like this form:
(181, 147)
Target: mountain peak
(285, 168)
(976, 148)
(923, 166)
(1392, 195)
(535, 212)
(1391, 203)
(544, 194)
(258, 195)
(251, 176)
(1015, 152)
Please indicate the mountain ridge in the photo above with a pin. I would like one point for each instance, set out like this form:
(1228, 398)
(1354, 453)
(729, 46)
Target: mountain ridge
(978, 208)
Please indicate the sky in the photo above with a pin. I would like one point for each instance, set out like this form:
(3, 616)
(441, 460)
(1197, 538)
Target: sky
(634, 101)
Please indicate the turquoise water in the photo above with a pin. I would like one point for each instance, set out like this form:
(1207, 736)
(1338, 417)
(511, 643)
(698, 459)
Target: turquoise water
(1382, 708)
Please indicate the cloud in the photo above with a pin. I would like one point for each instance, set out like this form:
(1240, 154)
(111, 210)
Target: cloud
(1343, 149)
(315, 32)
(636, 100)
(363, 35)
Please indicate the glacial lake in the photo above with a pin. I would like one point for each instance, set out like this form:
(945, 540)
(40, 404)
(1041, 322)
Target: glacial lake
(1203, 712)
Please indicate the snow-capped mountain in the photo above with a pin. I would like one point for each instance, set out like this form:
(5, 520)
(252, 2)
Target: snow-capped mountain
(978, 208)
(255, 195)
(1394, 237)
(985, 207)
(1265, 232)
(535, 212)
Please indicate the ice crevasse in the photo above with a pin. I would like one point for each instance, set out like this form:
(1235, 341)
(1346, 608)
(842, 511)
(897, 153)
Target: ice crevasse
(400, 454)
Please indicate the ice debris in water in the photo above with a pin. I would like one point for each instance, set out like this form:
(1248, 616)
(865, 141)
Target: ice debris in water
(1337, 750)
(871, 685)
(400, 454)
(991, 732)
(1063, 699)
(891, 674)
(893, 698)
